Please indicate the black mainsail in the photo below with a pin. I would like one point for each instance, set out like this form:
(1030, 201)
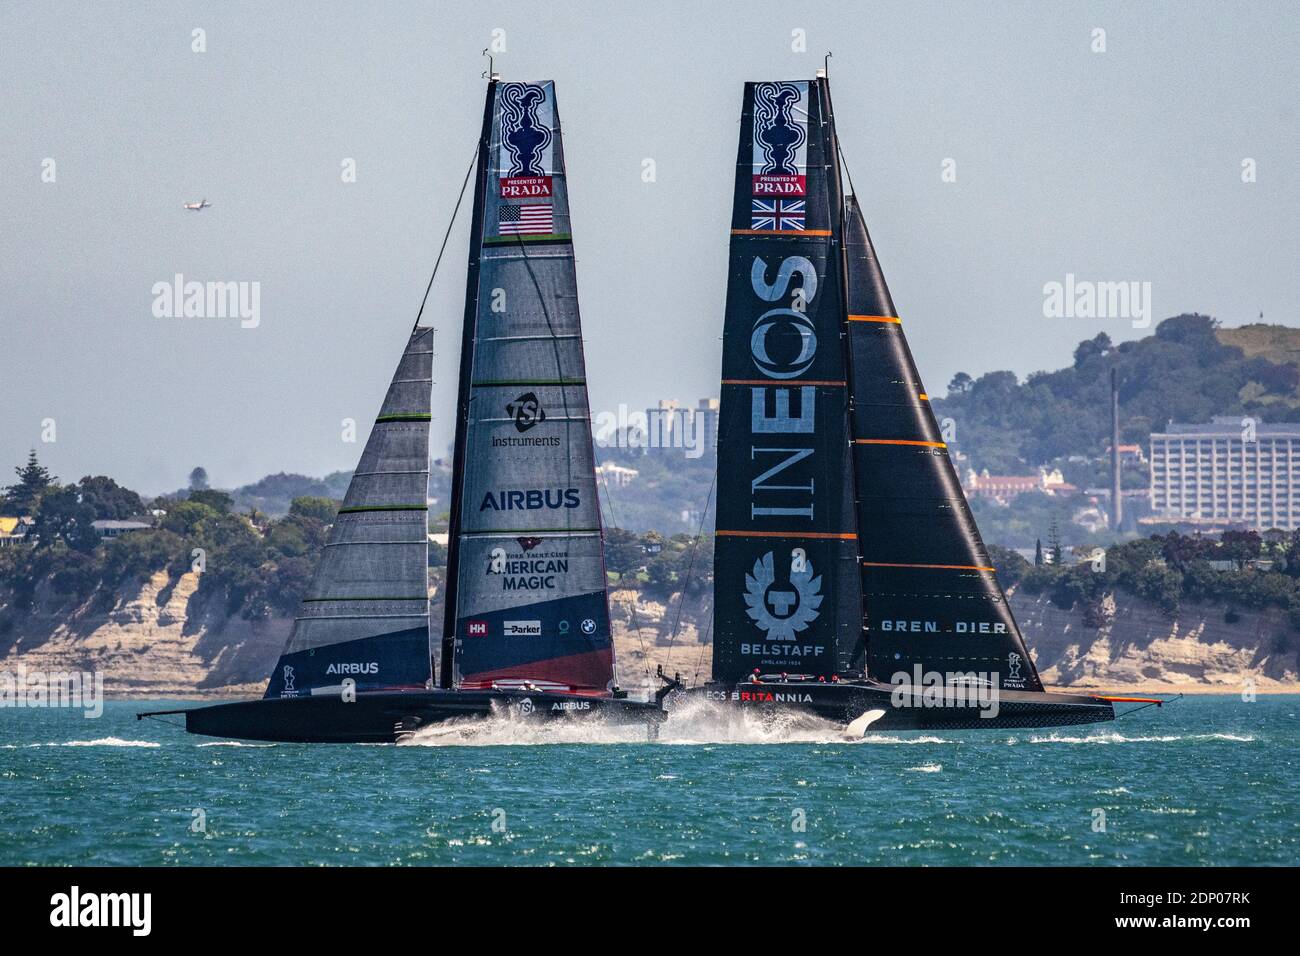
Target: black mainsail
(526, 598)
(849, 576)
(786, 577)
(932, 597)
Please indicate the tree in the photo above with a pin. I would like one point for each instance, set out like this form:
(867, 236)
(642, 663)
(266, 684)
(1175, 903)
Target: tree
(109, 500)
(961, 384)
(1099, 344)
(63, 515)
(198, 479)
(1054, 543)
(623, 552)
(1038, 552)
(314, 506)
(216, 500)
(33, 479)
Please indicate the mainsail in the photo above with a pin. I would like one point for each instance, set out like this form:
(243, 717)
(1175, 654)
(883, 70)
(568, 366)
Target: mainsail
(786, 582)
(365, 616)
(526, 577)
(932, 598)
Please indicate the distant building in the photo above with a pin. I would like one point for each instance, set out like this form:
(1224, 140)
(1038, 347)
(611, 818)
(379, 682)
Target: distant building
(1004, 488)
(14, 530)
(115, 529)
(670, 425)
(1128, 453)
(1227, 473)
(616, 475)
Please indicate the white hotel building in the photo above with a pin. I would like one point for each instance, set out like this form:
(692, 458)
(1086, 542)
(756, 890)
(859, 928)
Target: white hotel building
(1227, 473)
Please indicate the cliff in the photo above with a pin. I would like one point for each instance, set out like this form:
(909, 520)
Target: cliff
(153, 642)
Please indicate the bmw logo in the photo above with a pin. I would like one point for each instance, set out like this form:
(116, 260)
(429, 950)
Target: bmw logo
(588, 626)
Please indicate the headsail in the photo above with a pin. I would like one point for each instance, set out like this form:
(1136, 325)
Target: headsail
(366, 614)
(931, 595)
(526, 599)
(786, 582)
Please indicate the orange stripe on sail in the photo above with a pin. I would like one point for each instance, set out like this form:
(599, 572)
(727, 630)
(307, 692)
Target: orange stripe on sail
(923, 397)
(898, 441)
(845, 536)
(780, 383)
(892, 319)
(788, 233)
(944, 567)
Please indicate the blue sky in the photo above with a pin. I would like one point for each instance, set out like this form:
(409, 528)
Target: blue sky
(1122, 165)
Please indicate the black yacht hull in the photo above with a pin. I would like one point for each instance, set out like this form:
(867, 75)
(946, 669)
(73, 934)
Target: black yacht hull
(848, 702)
(386, 717)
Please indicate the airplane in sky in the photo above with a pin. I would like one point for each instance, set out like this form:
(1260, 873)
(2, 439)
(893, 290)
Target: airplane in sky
(197, 206)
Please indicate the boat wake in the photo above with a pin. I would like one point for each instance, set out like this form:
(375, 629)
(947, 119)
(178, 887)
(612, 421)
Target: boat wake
(692, 722)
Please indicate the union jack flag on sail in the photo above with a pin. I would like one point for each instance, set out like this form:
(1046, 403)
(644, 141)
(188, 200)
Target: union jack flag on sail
(778, 214)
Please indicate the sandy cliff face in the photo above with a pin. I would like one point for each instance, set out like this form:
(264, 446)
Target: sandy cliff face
(156, 642)
(149, 643)
(1139, 645)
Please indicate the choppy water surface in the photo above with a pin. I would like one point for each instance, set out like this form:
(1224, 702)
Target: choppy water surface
(1208, 780)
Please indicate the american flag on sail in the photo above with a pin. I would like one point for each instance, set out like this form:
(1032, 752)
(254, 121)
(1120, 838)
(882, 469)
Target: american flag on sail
(533, 219)
(779, 214)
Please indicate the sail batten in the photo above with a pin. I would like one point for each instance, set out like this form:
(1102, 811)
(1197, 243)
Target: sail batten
(526, 565)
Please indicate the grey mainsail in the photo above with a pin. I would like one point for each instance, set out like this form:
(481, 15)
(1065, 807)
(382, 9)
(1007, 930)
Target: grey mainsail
(365, 616)
(526, 576)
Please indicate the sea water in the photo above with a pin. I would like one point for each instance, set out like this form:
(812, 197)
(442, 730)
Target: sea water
(1203, 781)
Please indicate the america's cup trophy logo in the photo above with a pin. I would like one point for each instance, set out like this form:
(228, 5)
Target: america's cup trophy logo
(782, 609)
(525, 142)
(779, 139)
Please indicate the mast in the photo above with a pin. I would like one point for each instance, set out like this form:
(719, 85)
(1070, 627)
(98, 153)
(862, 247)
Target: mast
(446, 667)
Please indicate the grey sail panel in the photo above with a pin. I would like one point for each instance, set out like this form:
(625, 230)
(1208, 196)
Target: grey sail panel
(365, 615)
(530, 599)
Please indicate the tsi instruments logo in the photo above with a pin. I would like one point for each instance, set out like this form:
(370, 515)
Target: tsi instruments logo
(75, 909)
(523, 628)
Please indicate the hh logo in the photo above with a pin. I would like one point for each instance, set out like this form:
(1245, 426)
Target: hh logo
(476, 628)
(782, 609)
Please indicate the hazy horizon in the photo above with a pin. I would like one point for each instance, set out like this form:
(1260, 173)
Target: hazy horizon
(1115, 166)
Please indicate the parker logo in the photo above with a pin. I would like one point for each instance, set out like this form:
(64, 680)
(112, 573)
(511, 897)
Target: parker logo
(476, 628)
(782, 610)
(527, 411)
(523, 628)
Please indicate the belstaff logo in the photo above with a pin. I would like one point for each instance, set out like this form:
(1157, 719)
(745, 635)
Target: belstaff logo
(781, 610)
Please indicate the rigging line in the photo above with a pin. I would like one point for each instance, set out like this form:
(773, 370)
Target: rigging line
(446, 236)
(690, 568)
(704, 642)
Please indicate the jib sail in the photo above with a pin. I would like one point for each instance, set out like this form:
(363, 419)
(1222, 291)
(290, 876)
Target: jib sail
(932, 598)
(526, 596)
(366, 614)
(786, 583)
